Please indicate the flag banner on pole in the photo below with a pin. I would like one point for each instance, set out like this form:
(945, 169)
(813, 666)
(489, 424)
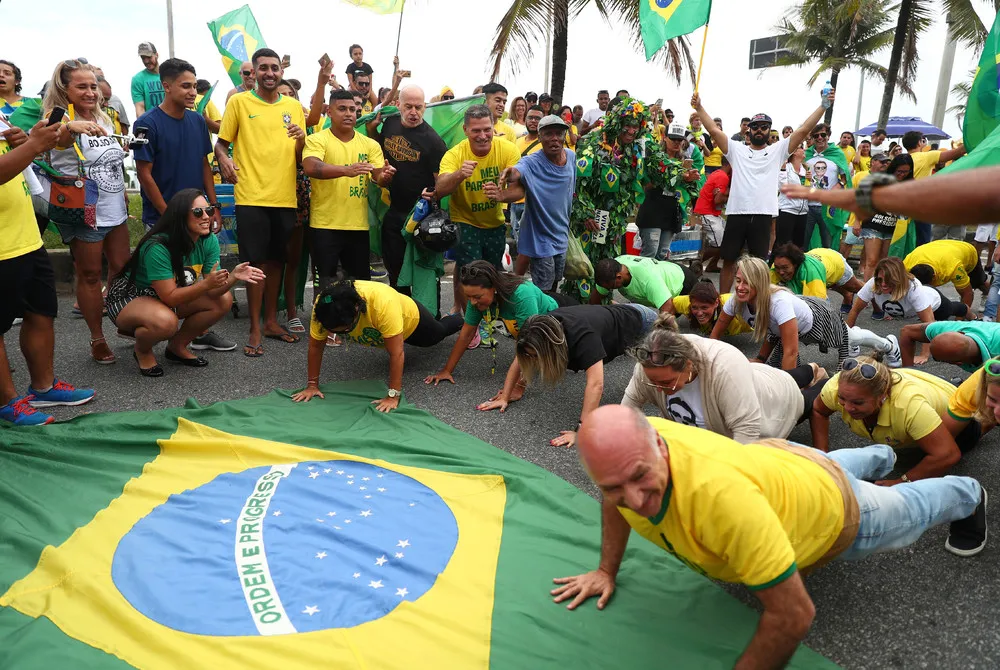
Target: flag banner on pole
(663, 20)
(379, 6)
(982, 111)
(207, 98)
(267, 533)
(236, 36)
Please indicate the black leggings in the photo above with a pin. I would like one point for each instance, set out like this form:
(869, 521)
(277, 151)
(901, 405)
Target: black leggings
(431, 331)
(790, 228)
(949, 308)
(803, 376)
(969, 437)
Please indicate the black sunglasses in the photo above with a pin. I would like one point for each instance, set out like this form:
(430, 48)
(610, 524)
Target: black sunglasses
(201, 211)
(760, 126)
(644, 355)
(868, 371)
(447, 97)
(247, 73)
(817, 136)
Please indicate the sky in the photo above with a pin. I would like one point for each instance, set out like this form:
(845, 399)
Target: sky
(448, 42)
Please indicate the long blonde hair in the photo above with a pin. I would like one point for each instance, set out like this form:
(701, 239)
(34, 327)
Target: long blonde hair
(56, 94)
(542, 349)
(893, 269)
(757, 274)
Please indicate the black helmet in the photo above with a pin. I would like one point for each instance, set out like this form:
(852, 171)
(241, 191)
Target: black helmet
(436, 232)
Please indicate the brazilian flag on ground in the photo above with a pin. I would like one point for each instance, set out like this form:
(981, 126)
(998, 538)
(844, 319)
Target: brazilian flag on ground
(262, 533)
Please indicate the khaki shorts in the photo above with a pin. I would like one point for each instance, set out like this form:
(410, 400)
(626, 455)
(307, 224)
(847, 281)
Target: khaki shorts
(712, 229)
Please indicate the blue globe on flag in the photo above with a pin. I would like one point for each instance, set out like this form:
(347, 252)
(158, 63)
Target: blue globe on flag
(663, 4)
(233, 42)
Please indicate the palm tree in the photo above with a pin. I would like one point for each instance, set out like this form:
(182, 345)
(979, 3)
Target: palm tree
(961, 91)
(837, 35)
(526, 21)
(915, 17)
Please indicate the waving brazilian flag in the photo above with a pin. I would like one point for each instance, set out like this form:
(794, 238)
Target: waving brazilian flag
(236, 36)
(663, 20)
(264, 533)
(982, 111)
(834, 218)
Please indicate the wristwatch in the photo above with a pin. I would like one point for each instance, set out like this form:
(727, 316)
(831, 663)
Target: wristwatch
(393, 393)
(863, 193)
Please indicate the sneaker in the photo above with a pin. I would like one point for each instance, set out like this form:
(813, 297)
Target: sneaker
(878, 316)
(20, 413)
(476, 340)
(893, 357)
(211, 340)
(854, 350)
(819, 374)
(967, 537)
(486, 335)
(845, 308)
(377, 273)
(987, 319)
(501, 327)
(61, 393)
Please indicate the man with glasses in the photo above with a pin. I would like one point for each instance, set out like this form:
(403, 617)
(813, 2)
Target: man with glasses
(829, 169)
(249, 76)
(363, 85)
(147, 91)
(753, 196)
(593, 115)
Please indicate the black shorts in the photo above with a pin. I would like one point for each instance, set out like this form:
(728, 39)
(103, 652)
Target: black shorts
(689, 280)
(263, 232)
(29, 285)
(350, 248)
(750, 230)
(978, 275)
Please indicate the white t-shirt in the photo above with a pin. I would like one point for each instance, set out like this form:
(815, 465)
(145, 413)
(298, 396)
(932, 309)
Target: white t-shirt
(686, 406)
(785, 306)
(102, 165)
(754, 188)
(791, 205)
(591, 116)
(916, 300)
(825, 173)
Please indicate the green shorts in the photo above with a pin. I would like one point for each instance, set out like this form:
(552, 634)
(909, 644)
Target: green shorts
(486, 244)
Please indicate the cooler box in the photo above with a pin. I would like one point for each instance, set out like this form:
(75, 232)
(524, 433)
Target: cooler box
(633, 243)
(686, 245)
(227, 236)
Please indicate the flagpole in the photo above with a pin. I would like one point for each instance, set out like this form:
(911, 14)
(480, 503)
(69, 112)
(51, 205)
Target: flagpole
(399, 34)
(701, 61)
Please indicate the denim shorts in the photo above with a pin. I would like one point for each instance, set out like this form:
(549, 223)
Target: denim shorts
(869, 234)
(649, 316)
(83, 232)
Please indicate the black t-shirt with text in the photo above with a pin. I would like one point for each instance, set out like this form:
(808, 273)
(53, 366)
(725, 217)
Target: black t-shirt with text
(598, 332)
(416, 154)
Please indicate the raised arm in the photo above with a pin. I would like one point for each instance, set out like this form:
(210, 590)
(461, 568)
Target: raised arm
(708, 123)
(799, 135)
(319, 95)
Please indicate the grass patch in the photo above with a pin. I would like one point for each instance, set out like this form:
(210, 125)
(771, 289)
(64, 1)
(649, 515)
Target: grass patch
(52, 240)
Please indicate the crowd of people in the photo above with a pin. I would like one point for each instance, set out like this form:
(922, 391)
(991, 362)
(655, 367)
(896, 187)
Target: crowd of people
(715, 482)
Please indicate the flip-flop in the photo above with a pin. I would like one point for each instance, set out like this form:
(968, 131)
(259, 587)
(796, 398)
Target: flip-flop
(251, 351)
(285, 337)
(295, 326)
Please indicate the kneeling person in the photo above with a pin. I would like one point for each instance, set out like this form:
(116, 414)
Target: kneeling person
(646, 281)
(949, 261)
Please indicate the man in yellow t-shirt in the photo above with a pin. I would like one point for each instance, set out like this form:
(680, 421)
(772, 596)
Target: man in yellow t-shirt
(478, 159)
(956, 262)
(924, 162)
(496, 100)
(267, 129)
(29, 285)
(755, 514)
(341, 163)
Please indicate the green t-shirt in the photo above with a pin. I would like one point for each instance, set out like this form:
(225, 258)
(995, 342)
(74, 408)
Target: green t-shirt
(653, 282)
(147, 89)
(154, 264)
(985, 335)
(528, 300)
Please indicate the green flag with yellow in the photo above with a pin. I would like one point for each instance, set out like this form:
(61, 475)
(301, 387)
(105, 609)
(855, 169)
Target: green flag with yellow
(236, 36)
(663, 20)
(982, 111)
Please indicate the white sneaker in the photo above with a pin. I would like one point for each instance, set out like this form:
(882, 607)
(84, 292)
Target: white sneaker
(894, 357)
(854, 350)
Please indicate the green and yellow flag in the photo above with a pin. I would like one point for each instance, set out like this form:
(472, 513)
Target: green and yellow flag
(982, 111)
(379, 6)
(236, 36)
(663, 20)
(272, 534)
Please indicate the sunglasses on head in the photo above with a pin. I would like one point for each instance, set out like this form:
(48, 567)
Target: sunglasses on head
(868, 371)
(202, 211)
(644, 355)
(817, 136)
(992, 367)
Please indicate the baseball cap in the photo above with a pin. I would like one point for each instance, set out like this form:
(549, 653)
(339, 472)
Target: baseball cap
(552, 121)
(761, 118)
(676, 131)
(545, 96)
(531, 94)
(881, 157)
(147, 49)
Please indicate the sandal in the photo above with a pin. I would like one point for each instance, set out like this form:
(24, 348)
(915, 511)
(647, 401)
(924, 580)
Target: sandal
(294, 325)
(284, 336)
(334, 341)
(101, 352)
(251, 351)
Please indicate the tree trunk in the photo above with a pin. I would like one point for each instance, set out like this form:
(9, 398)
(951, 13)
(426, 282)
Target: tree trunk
(560, 45)
(834, 76)
(892, 75)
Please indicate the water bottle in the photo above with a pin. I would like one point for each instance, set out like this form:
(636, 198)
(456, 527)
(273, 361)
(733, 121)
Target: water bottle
(826, 95)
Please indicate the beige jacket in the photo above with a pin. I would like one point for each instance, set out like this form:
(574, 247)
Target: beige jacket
(742, 400)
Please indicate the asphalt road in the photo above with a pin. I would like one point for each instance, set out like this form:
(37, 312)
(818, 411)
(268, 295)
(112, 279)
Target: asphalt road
(920, 607)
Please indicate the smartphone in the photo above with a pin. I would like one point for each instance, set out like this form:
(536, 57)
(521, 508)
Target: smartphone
(659, 102)
(688, 164)
(324, 60)
(286, 61)
(404, 73)
(141, 132)
(56, 115)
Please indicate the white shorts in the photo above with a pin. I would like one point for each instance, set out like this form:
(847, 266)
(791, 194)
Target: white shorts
(848, 274)
(987, 232)
(712, 229)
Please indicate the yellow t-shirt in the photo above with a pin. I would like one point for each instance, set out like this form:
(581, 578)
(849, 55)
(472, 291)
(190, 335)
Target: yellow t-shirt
(952, 261)
(964, 402)
(262, 149)
(913, 411)
(924, 162)
(865, 163)
(682, 305)
(748, 514)
(342, 203)
(504, 131)
(832, 261)
(572, 131)
(18, 230)
(468, 203)
(388, 313)
(523, 143)
(850, 152)
(714, 158)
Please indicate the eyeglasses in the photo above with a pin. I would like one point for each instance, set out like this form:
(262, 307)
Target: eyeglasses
(760, 126)
(72, 64)
(661, 387)
(868, 371)
(247, 73)
(820, 136)
(202, 211)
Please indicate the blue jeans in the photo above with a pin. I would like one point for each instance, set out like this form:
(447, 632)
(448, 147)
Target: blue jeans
(814, 217)
(655, 243)
(516, 213)
(993, 299)
(649, 316)
(893, 517)
(924, 232)
(546, 272)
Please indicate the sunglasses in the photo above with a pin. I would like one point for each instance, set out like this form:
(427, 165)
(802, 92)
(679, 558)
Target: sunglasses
(447, 97)
(247, 73)
(644, 355)
(203, 211)
(469, 271)
(817, 136)
(884, 281)
(868, 371)
(760, 126)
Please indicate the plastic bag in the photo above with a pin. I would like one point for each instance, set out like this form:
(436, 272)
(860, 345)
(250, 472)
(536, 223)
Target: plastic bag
(578, 265)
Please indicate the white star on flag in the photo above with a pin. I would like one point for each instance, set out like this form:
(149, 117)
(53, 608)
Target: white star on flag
(381, 489)
(340, 472)
(337, 527)
(347, 521)
(402, 592)
(362, 488)
(277, 512)
(365, 479)
(321, 555)
(367, 496)
(320, 520)
(313, 475)
(225, 521)
(350, 476)
(312, 467)
(366, 512)
(357, 574)
(310, 610)
(399, 554)
(381, 560)
(331, 514)
(375, 584)
(402, 544)
(380, 475)
(413, 504)
(327, 470)
(351, 482)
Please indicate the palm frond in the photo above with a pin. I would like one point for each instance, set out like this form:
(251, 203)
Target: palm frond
(965, 24)
(675, 56)
(520, 30)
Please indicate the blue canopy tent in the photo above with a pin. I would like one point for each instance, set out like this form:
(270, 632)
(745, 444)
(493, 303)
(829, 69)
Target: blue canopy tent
(898, 125)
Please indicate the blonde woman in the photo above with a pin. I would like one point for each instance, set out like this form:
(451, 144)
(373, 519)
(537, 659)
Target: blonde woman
(975, 404)
(580, 337)
(85, 154)
(518, 110)
(780, 319)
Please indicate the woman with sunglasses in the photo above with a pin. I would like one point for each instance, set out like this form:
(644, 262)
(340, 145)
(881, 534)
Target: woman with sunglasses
(494, 295)
(156, 291)
(894, 293)
(580, 337)
(702, 306)
(690, 379)
(900, 408)
(780, 319)
(375, 315)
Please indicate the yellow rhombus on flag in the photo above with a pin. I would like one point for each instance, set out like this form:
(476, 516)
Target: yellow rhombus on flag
(379, 6)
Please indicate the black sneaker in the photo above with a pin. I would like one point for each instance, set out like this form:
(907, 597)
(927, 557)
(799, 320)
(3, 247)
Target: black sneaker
(967, 537)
